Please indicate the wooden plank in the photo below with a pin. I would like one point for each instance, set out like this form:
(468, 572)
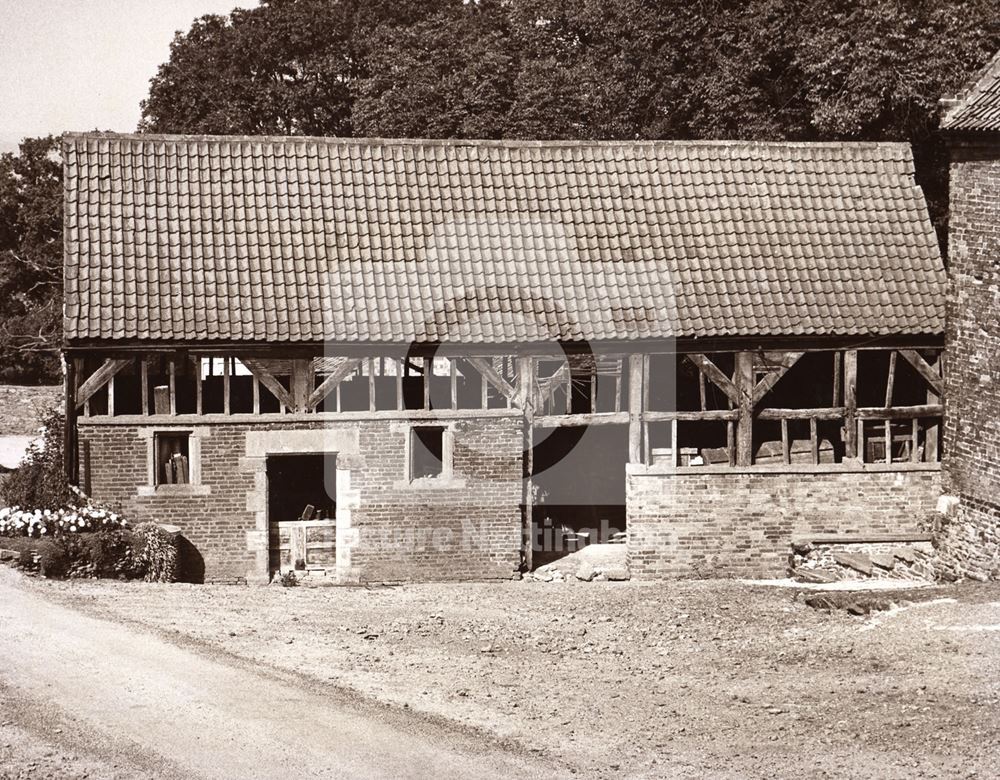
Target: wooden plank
(850, 403)
(485, 368)
(333, 381)
(765, 385)
(144, 384)
(891, 379)
(716, 376)
(99, 378)
(259, 370)
(744, 383)
(635, 373)
(927, 371)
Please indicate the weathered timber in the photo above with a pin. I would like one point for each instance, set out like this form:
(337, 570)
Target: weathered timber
(765, 385)
(744, 383)
(99, 378)
(340, 373)
(719, 379)
(850, 403)
(928, 372)
(259, 370)
(489, 373)
(635, 417)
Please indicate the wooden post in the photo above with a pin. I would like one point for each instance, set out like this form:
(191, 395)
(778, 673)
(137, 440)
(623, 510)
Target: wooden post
(888, 440)
(255, 383)
(399, 385)
(225, 385)
(851, 443)
(144, 384)
(931, 434)
(836, 379)
(526, 396)
(635, 373)
(701, 389)
(915, 441)
(675, 454)
(453, 376)
(197, 385)
(744, 381)
(69, 428)
(647, 452)
(813, 440)
(173, 387)
(428, 375)
(371, 385)
(111, 397)
(891, 379)
(731, 441)
(786, 450)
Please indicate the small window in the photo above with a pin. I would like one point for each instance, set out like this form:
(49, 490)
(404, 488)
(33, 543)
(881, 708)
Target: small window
(173, 459)
(426, 451)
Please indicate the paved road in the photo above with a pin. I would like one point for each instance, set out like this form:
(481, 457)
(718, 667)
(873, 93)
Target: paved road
(209, 718)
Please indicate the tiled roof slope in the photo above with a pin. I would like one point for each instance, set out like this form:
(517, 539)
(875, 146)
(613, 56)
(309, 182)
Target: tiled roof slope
(308, 239)
(976, 107)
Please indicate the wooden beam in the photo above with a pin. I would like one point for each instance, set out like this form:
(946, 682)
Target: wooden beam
(573, 420)
(932, 430)
(548, 385)
(899, 412)
(453, 382)
(850, 403)
(813, 440)
(635, 423)
(173, 387)
(485, 368)
(709, 414)
(99, 378)
(890, 379)
(786, 451)
(743, 381)
(340, 373)
(765, 385)
(259, 370)
(716, 376)
(819, 413)
(197, 384)
(928, 372)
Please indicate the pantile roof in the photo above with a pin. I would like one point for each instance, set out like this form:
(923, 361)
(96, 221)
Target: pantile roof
(976, 107)
(234, 239)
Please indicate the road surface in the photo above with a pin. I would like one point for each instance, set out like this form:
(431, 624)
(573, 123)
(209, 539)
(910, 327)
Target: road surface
(191, 715)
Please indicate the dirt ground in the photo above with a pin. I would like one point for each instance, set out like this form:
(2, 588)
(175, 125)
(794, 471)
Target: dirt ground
(687, 679)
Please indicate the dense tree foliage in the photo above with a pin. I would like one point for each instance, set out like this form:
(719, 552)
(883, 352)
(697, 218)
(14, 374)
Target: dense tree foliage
(30, 262)
(756, 69)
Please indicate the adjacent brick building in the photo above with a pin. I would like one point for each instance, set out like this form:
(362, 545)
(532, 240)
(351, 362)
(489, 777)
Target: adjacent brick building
(404, 360)
(970, 538)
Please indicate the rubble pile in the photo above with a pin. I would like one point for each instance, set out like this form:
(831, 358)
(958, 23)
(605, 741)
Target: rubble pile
(823, 563)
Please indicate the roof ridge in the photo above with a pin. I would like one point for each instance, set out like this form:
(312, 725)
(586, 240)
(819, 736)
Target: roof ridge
(484, 142)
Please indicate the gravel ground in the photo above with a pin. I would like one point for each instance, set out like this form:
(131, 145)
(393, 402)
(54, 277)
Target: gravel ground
(687, 679)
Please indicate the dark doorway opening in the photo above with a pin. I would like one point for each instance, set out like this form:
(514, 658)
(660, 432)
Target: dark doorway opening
(301, 512)
(579, 491)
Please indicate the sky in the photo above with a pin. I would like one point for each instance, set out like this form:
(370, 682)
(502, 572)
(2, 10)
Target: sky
(85, 64)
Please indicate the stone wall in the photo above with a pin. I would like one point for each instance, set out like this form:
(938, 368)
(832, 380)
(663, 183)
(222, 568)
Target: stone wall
(463, 525)
(741, 522)
(972, 405)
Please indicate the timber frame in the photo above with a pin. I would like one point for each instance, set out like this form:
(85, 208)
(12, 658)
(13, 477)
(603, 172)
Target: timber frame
(550, 387)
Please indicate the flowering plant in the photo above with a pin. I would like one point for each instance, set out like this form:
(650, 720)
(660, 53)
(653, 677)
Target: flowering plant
(15, 521)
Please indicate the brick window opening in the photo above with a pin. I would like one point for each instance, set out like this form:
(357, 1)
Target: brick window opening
(173, 454)
(426, 451)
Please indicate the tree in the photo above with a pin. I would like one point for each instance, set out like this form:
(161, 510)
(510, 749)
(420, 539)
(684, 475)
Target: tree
(31, 262)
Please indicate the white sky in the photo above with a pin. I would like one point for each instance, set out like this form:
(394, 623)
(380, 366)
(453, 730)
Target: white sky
(85, 64)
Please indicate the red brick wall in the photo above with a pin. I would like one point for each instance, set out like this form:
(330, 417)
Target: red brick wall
(469, 530)
(740, 523)
(972, 406)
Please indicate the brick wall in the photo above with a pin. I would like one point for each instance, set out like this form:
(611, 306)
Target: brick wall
(740, 523)
(972, 405)
(468, 526)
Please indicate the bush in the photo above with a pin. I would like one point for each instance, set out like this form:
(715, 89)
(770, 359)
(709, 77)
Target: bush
(154, 553)
(40, 481)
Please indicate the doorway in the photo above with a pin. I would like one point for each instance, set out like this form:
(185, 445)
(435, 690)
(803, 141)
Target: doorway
(301, 512)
